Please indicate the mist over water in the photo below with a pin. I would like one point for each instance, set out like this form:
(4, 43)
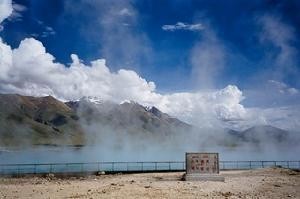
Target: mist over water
(99, 154)
(208, 58)
(130, 148)
(117, 139)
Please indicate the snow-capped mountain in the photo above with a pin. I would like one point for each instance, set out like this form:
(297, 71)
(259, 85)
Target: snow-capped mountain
(92, 99)
(46, 120)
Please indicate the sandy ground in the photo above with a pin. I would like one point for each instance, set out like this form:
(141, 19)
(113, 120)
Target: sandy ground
(260, 183)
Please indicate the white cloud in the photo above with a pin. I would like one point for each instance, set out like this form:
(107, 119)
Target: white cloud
(126, 12)
(30, 70)
(293, 91)
(16, 15)
(183, 26)
(5, 60)
(32, 67)
(283, 88)
(285, 117)
(5, 9)
(205, 108)
(48, 32)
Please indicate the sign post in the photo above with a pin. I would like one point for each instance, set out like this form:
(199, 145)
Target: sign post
(202, 167)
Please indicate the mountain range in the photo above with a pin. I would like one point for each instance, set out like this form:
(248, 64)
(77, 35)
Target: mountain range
(27, 120)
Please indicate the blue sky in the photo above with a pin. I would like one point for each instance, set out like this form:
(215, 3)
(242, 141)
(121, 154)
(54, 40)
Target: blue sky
(163, 53)
(245, 51)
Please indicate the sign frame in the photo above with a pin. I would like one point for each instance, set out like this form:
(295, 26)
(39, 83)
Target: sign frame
(212, 168)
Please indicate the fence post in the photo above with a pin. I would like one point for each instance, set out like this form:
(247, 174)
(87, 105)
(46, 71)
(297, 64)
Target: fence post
(81, 167)
(67, 168)
(18, 171)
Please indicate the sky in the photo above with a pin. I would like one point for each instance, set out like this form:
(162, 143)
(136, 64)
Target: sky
(210, 63)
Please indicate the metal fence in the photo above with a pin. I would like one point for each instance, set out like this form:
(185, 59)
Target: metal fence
(114, 167)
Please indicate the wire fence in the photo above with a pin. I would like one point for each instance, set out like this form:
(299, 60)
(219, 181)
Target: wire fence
(115, 167)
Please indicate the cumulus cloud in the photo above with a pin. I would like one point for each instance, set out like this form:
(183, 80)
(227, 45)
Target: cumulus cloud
(5, 9)
(206, 108)
(183, 26)
(30, 70)
(33, 71)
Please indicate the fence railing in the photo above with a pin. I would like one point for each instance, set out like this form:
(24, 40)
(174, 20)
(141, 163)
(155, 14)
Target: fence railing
(18, 169)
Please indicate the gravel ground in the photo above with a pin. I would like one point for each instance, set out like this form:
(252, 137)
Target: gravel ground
(261, 183)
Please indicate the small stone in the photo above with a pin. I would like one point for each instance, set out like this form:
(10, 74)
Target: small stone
(50, 175)
(100, 173)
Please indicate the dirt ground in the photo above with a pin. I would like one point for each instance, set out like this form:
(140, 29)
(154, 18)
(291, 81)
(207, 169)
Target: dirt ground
(260, 183)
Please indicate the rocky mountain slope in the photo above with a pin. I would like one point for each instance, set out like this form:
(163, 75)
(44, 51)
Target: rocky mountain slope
(260, 136)
(26, 120)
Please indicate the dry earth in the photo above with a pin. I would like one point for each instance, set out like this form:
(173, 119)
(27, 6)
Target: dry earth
(260, 183)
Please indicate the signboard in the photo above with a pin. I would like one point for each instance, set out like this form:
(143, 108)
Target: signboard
(202, 163)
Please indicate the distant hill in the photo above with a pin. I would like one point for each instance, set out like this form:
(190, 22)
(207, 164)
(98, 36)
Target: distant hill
(26, 120)
(131, 118)
(259, 134)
